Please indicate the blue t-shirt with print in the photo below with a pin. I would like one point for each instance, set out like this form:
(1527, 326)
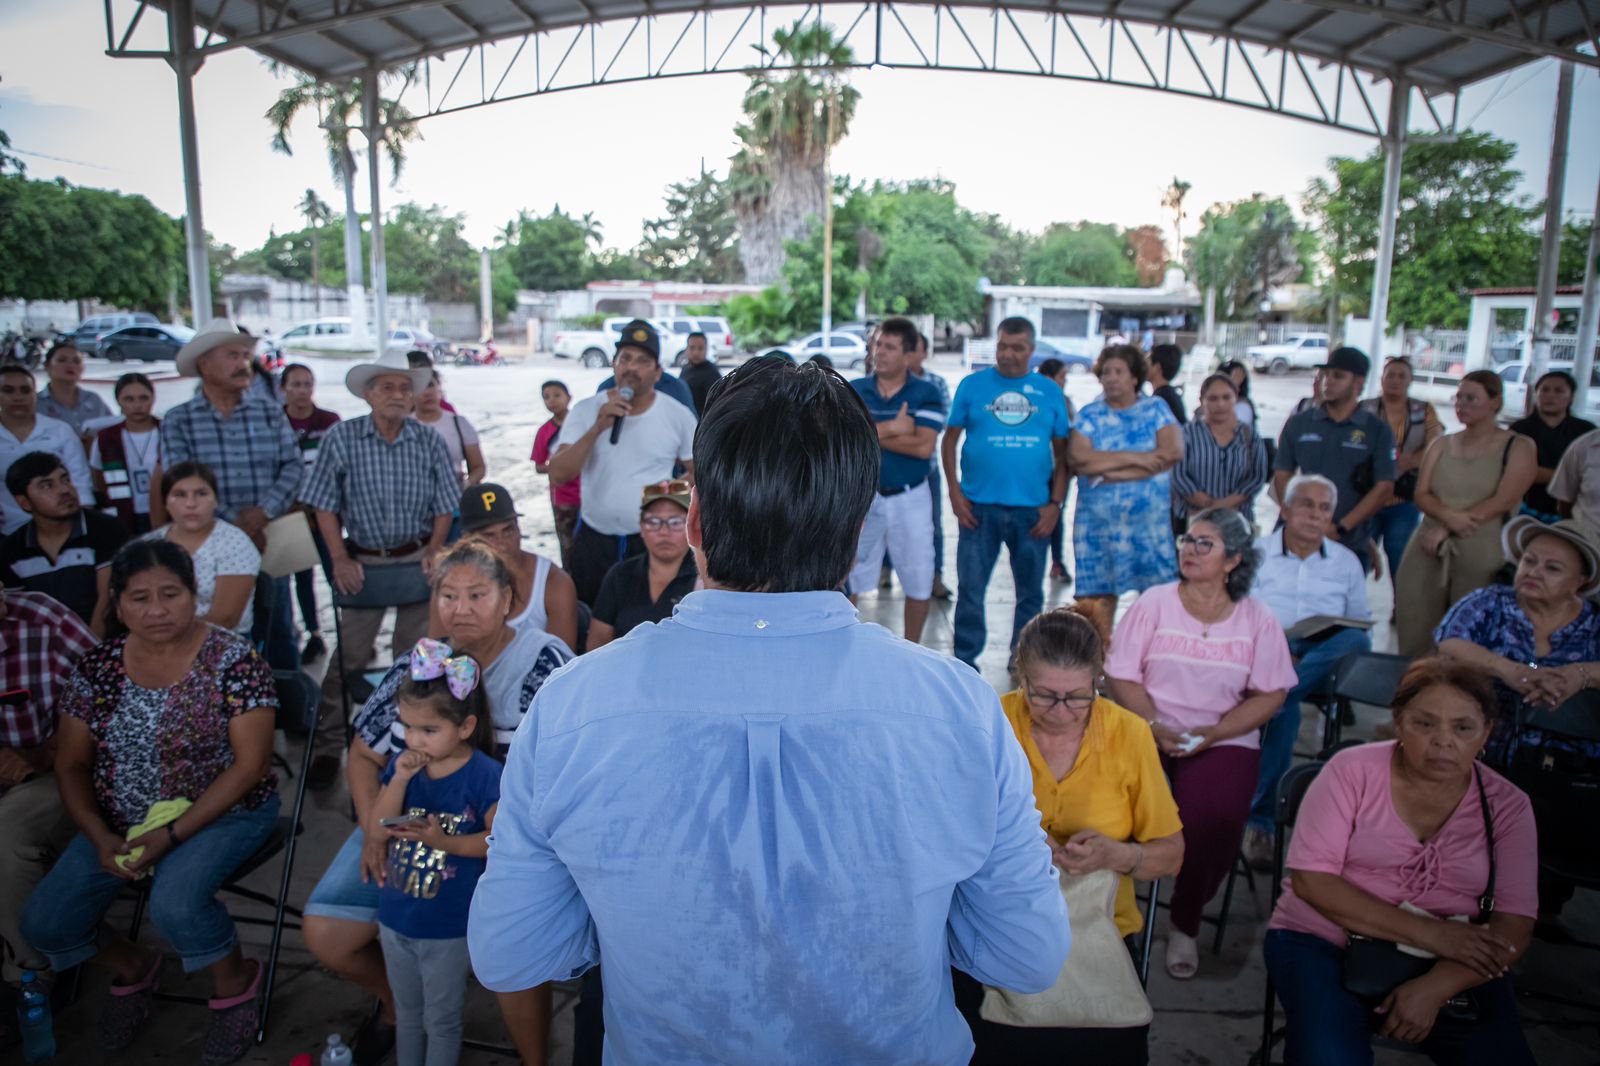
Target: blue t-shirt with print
(1007, 458)
(923, 404)
(426, 892)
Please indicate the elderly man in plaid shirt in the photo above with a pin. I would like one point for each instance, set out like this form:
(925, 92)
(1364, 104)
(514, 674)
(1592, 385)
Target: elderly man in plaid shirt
(40, 640)
(387, 479)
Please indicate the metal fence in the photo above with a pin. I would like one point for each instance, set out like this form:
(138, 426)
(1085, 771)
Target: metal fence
(1235, 338)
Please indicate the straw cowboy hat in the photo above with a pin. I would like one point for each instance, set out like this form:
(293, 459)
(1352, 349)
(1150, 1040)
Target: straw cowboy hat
(217, 331)
(361, 375)
(1521, 531)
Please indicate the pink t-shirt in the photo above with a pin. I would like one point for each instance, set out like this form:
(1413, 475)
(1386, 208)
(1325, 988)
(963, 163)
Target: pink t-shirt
(570, 494)
(1348, 826)
(1197, 673)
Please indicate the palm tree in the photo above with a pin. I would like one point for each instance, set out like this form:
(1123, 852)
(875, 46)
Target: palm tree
(779, 174)
(1172, 200)
(338, 106)
(316, 215)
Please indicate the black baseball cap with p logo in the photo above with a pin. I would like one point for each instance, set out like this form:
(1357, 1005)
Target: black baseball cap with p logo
(485, 504)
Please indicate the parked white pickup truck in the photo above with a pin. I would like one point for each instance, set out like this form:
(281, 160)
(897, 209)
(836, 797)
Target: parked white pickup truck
(1299, 351)
(596, 347)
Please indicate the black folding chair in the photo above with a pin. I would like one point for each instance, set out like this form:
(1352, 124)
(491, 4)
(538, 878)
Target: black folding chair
(1291, 793)
(297, 715)
(1368, 677)
(1150, 907)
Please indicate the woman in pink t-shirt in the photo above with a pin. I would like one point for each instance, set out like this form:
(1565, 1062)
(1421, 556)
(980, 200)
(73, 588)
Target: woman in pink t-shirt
(1391, 843)
(1207, 666)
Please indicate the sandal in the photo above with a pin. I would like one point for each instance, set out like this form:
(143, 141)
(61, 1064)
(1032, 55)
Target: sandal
(233, 1023)
(127, 1008)
(1183, 956)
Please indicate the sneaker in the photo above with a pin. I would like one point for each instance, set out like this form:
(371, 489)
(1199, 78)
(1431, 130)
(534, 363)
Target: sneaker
(1258, 849)
(941, 591)
(314, 649)
(1059, 573)
(374, 1041)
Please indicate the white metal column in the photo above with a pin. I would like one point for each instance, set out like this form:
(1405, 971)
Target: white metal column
(372, 122)
(184, 63)
(1550, 244)
(1589, 318)
(1394, 151)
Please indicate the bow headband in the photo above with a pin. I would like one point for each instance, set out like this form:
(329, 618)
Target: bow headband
(432, 658)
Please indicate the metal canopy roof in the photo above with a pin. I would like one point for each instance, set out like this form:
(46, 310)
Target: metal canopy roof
(1437, 45)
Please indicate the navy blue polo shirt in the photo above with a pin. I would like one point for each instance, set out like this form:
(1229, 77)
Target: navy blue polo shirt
(1354, 454)
(72, 576)
(922, 401)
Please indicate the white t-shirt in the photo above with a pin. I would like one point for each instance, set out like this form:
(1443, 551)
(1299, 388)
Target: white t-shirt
(615, 475)
(141, 450)
(228, 552)
(456, 432)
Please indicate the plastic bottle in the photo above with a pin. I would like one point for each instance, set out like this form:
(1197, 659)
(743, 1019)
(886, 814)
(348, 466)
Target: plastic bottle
(38, 1027)
(335, 1054)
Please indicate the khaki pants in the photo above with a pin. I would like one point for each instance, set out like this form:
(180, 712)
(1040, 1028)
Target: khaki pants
(358, 628)
(34, 828)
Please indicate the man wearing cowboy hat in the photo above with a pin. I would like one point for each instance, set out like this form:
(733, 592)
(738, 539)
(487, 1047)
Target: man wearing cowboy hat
(384, 492)
(617, 441)
(243, 436)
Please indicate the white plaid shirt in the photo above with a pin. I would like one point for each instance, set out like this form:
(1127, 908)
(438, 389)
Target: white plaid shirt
(386, 494)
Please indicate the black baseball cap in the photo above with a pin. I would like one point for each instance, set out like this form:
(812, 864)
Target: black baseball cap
(1352, 360)
(640, 334)
(484, 504)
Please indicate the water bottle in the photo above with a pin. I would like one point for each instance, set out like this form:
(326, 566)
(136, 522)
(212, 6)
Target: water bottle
(335, 1054)
(38, 1027)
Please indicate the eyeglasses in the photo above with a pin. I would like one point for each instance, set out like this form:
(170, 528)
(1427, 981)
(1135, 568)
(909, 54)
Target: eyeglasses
(1046, 701)
(655, 524)
(1201, 545)
(676, 487)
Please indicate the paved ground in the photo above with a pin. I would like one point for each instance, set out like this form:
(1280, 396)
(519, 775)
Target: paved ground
(1214, 1019)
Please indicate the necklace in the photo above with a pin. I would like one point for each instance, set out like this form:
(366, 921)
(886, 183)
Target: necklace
(1215, 615)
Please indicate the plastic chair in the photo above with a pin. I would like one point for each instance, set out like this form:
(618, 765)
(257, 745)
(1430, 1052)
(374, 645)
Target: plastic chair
(297, 713)
(1291, 793)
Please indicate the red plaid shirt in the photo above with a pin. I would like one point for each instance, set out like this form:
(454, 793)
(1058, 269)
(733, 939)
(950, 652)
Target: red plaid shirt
(40, 642)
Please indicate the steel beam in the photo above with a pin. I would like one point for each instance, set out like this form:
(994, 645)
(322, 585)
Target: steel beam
(1550, 243)
(1394, 151)
(1589, 317)
(184, 62)
(372, 124)
(1528, 45)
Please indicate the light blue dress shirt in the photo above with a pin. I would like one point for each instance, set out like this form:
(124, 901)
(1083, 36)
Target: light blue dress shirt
(778, 827)
(1329, 581)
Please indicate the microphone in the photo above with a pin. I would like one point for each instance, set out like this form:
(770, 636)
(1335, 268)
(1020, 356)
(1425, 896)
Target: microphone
(616, 427)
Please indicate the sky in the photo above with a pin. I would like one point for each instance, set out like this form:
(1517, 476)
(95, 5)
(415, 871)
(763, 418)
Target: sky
(1031, 150)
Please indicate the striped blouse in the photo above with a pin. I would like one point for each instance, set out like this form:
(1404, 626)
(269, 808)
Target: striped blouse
(1240, 468)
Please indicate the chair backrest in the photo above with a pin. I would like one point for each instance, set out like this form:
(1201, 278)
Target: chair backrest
(1579, 717)
(1369, 677)
(1292, 789)
(298, 699)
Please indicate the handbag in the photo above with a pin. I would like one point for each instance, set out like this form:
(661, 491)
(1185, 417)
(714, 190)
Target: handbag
(290, 546)
(1374, 967)
(1098, 987)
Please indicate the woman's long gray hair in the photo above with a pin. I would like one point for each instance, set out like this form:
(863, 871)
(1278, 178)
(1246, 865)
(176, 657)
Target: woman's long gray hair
(1237, 542)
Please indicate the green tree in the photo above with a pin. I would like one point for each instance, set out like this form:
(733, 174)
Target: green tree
(1081, 253)
(1461, 226)
(316, 213)
(698, 238)
(553, 251)
(1246, 248)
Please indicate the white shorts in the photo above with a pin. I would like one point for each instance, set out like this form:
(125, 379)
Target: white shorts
(904, 524)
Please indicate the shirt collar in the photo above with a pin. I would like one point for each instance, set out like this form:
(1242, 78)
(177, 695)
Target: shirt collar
(80, 528)
(764, 614)
(1283, 546)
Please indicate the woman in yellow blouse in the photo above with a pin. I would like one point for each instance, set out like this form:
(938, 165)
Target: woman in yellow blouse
(1105, 803)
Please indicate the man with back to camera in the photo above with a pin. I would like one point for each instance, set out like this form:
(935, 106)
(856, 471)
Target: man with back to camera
(908, 416)
(614, 458)
(1351, 447)
(1010, 484)
(725, 805)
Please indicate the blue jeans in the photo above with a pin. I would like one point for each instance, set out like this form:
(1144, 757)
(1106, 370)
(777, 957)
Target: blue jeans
(1391, 528)
(1328, 1026)
(936, 487)
(63, 917)
(977, 550)
(1316, 664)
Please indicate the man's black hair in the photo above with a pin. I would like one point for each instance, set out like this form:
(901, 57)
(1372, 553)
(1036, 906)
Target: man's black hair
(1015, 324)
(554, 384)
(1169, 357)
(902, 328)
(33, 465)
(693, 335)
(786, 465)
(18, 369)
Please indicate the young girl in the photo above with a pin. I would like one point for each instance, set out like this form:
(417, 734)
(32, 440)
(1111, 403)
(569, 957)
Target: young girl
(448, 786)
(122, 456)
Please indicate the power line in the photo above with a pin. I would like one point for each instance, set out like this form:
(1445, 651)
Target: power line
(61, 159)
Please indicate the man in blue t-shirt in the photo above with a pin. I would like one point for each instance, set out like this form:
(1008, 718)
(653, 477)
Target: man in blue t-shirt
(1010, 484)
(909, 415)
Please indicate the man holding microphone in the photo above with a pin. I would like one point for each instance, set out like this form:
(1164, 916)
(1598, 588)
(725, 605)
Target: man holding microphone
(618, 442)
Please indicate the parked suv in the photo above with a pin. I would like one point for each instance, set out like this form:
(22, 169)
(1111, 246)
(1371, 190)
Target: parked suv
(1299, 351)
(86, 338)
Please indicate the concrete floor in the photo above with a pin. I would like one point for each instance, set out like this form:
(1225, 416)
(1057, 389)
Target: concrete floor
(1215, 1018)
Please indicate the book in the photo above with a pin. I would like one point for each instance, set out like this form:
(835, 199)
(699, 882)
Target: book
(1321, 625)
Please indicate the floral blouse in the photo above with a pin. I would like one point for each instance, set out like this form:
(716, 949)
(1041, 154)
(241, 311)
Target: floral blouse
(167, 743)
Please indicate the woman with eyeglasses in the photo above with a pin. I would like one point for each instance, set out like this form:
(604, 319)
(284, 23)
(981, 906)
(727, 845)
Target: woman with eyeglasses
(1105, 805)
(1470, 482)
(1207, 666)
(645, 588)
